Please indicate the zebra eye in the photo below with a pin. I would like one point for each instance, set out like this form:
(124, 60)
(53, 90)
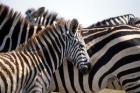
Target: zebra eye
(81, 45)
(67, 32)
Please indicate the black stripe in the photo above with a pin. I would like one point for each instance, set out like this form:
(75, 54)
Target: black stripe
(61, 72)
(71, 75)
(24, 33)
(15, 34)
(81, 82)
(56, 83)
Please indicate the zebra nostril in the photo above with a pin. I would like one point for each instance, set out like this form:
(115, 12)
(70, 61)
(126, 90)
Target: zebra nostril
(86, 68)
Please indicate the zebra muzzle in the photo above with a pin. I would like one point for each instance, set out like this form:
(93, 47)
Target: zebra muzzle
(85, 68)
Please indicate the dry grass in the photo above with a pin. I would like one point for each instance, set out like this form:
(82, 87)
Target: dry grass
(111, 91)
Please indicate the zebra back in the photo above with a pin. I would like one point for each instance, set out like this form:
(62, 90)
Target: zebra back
(127, 19)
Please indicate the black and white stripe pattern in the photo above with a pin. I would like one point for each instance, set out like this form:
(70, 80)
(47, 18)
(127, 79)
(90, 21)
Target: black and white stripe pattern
(115, 54)
(127, 19)
(114, 85)
(15, 29)
(69, 87)
(40, 57)
(40, 22)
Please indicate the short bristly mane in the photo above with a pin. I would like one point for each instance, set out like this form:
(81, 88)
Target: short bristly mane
(52, 27)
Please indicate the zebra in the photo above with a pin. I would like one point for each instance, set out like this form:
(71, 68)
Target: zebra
(115, 54)
(15, 29)
(127, 19)
(20, 68)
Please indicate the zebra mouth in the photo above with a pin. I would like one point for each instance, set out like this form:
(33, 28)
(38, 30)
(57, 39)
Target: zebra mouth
(85, 69)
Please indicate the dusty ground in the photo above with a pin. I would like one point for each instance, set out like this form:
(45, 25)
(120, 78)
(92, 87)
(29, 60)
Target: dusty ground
(110, 91)
(107, 91)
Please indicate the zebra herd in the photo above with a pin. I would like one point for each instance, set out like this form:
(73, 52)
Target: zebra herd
(34, 51)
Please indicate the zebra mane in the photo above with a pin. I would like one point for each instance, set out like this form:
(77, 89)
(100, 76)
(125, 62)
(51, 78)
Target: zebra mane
(88, 31)
(103, 21)
(50, 13)
(112, 28)
(60, 23)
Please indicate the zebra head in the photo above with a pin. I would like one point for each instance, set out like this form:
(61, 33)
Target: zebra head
(75, 50)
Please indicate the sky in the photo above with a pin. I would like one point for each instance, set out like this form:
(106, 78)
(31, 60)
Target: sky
(86, 11)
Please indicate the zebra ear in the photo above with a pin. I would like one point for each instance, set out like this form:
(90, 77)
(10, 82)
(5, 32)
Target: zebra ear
(74, 25)
(38, 12)
(29, 11)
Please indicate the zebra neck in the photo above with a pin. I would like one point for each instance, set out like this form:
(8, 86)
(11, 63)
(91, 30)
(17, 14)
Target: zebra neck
(50, 49)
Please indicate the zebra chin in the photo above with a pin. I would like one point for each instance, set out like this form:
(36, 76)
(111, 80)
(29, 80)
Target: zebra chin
(85, 68)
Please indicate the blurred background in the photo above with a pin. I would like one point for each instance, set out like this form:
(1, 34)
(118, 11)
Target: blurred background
(86, 11)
